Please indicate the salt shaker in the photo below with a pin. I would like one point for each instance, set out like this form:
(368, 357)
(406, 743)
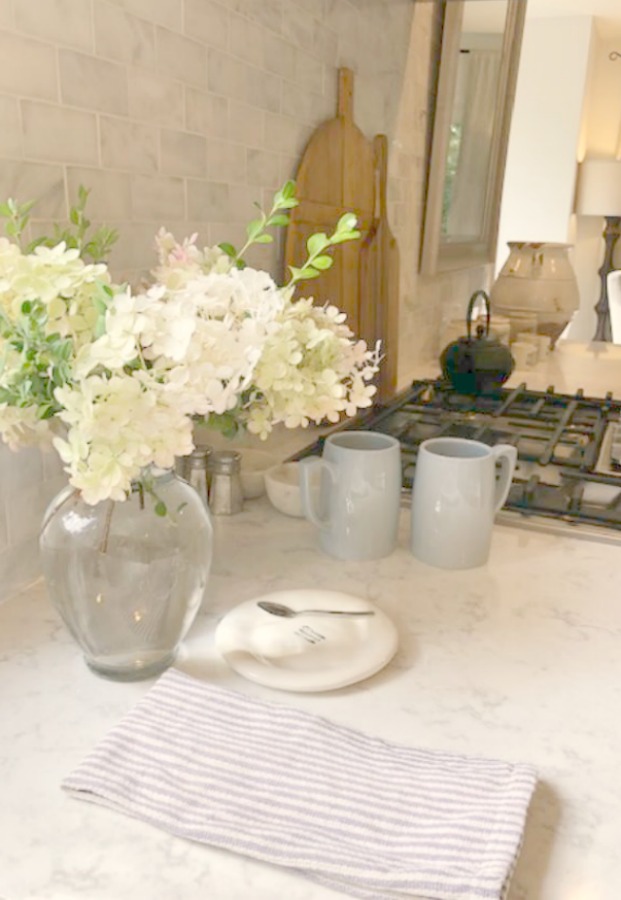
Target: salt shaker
(225, 490)
(194, 470)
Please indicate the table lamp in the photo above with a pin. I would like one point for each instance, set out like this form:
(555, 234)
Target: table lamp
(599, 194)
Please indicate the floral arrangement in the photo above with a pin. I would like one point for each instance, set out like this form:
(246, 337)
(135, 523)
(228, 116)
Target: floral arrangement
(116, 378)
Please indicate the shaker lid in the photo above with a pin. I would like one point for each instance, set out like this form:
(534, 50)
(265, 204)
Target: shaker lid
(198, 458)
(225, 461)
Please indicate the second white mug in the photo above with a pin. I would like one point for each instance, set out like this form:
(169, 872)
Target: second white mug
(456, 495)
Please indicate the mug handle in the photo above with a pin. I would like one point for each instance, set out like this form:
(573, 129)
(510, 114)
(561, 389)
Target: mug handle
(307, 466)
(506, 455)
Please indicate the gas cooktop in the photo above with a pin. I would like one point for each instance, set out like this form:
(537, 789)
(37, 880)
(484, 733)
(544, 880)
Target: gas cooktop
(569, 446)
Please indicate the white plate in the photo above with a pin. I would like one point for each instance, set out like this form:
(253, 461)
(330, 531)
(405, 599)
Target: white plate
(309, 652)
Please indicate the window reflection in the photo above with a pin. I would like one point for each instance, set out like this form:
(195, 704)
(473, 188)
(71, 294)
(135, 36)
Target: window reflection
(471, 130)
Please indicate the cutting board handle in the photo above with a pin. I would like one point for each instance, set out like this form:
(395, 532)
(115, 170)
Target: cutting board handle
(345, 107)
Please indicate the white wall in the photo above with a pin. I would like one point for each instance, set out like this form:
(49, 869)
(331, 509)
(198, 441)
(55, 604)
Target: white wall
(538, 196)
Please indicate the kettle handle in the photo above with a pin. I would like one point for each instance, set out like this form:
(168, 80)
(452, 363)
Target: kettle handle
(473, 300)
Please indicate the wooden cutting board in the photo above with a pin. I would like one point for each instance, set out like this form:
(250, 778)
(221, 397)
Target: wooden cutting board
(379, 281)
(336, 175)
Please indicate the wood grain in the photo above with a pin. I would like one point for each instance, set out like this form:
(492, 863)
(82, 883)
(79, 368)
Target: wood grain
(379, 280)
(336, 174)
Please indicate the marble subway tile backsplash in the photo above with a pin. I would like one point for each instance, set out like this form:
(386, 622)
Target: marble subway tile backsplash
(123, 37)
(39, 78)
(94, 84)
(128, 145)
(181, 57)
(183, 154)
(156, 99)
(10, 133)
(64, 22)
(59, 133)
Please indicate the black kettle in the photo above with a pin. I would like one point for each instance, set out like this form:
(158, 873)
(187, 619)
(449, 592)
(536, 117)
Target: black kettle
(477, 365)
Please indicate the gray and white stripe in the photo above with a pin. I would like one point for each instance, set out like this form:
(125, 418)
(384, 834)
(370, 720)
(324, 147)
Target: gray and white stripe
(369, 818)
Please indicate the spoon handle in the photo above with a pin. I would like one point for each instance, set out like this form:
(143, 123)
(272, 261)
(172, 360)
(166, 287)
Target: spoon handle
(339, 612)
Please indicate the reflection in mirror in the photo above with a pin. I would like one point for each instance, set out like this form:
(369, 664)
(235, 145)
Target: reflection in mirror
(471, 128)
(478, 68)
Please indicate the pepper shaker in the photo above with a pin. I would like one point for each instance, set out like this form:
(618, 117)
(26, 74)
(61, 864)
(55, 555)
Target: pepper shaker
(194, 470)
(225, 490)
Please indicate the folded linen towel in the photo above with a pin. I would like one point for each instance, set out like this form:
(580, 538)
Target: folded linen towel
(355, 813)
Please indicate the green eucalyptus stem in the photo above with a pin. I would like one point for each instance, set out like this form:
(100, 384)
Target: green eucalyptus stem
(318, 261)
(256, 230)
(97, 247)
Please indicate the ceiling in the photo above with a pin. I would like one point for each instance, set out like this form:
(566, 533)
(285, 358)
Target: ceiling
(607, 12)
(607, 8)
(489, 15)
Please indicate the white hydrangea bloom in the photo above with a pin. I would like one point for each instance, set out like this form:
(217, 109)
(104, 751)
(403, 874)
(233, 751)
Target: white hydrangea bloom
(116, 427)
(59, 279)
(181, 263)
(311, 370)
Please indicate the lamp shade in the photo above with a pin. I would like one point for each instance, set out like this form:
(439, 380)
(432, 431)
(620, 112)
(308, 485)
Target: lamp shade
(599, 188)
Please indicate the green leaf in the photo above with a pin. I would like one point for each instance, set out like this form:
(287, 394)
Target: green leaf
(229, 249)
(26, 307)
(307, 272)
(225, 423)
(346, 236)
(288, 204)
(34, 244)
(278, 221)
(323, 262)
(288, 190)
(347, 222)
(264, 239)
(316, 243)
(160, 508)
(254, 228)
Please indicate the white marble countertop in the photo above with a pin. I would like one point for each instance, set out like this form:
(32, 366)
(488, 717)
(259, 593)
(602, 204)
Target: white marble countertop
(518, 660)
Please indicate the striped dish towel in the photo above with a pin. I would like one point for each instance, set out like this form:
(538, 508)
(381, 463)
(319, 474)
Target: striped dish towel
(355, 813)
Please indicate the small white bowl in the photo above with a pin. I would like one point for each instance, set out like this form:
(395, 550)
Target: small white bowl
(282, 484)
(254, 465)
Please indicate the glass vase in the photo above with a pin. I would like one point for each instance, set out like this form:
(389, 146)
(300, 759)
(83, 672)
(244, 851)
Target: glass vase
(128, 577)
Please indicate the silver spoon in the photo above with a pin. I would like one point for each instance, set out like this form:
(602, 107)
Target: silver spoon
(279, 609)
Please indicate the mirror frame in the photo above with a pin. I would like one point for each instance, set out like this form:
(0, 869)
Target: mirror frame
(436, 255)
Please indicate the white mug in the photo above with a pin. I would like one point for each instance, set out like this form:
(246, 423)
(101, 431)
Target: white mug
(456, 495)
(359, 494)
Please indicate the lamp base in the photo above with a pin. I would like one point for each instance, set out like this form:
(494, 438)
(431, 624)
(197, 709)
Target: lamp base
(612, 232)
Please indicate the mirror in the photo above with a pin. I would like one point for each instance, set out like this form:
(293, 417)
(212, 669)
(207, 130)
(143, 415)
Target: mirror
(476, 82)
